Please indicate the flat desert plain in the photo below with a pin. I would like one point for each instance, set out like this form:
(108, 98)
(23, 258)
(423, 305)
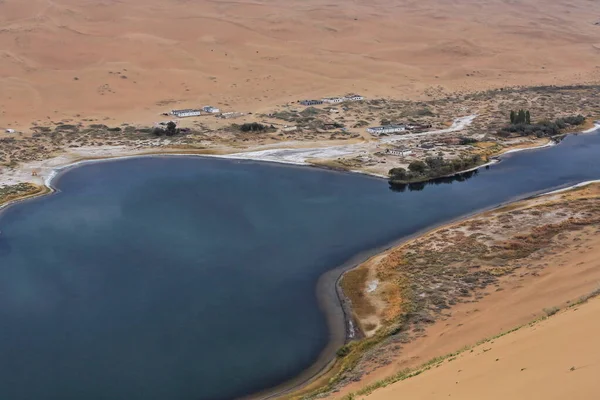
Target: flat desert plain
(127, 60)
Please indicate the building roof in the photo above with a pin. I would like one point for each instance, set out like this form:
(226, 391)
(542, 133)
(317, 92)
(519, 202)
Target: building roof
(381, 128)
(186, 110)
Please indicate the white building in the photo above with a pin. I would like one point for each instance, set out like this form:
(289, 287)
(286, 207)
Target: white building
(399, 152)
(232, 114)
(211, 109)
(311, 102)
(10, 131)
(186, 113)
(387, 129)
(354, 97)
(332, 100)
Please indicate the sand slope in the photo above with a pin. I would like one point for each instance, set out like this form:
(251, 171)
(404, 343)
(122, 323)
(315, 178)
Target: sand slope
(553, 359)
(560, 273)
(127, 60)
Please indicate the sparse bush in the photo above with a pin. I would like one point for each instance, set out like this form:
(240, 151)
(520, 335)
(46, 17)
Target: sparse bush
(551, 311)
(466, 141)
(253, 127)
(343, 351)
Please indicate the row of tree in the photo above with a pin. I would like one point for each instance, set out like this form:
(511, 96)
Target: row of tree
(520, 117)
(255, 127)
(433, 167)
(540, 129)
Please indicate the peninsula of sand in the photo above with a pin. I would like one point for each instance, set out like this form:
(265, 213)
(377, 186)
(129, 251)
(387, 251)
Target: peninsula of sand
(449, 293)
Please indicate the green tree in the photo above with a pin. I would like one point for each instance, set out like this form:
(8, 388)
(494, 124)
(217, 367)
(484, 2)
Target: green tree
(417, 167)
(398, 173)
(171, 128)
(157, 131)
(513, 117)
(527, 117)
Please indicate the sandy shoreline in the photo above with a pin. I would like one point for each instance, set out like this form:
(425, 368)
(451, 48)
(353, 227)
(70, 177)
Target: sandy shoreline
(558, 273)
(337, 309)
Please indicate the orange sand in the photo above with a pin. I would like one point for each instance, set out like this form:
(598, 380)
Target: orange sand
(553, 359)
(69, 58)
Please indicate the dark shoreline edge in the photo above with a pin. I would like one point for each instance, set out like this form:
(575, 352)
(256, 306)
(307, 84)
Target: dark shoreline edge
(335, 305)
(337, 310)
(331, 299)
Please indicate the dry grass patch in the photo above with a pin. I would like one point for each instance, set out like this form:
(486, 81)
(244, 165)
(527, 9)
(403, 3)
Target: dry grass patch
(18, 191)
(353, 284)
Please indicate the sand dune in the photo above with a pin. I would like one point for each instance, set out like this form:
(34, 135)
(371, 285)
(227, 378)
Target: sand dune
(553, 359)
(120, 60)
(554, 276)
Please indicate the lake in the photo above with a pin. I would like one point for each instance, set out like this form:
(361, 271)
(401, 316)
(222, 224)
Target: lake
(188, 278)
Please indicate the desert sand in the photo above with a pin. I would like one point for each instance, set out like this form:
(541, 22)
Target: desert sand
(553, 359)
(128, 60)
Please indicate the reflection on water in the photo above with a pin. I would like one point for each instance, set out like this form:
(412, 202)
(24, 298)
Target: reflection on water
(418, 186)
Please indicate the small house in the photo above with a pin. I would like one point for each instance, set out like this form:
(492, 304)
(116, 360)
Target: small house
(311, 102)
(211, 109)
(354, 97)
(386, 129)
(332, 100)
(230, 115)
(399, 152)
(186, 113)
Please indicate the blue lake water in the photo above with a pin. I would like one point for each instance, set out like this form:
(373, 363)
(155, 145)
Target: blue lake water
(185, 278)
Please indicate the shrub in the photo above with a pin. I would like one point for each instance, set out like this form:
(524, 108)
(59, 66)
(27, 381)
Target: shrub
(417, 166)
(253, 127)
(343, 351)
(551, 311)
(466, 140)
(398, 173)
